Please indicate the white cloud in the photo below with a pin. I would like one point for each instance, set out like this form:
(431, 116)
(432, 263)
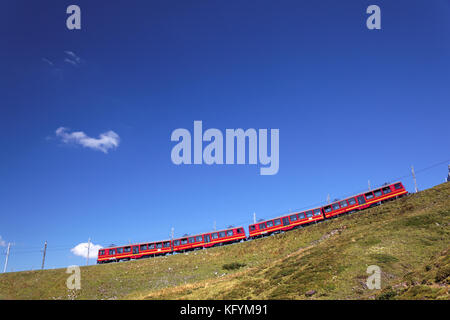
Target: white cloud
(70, 61)
(82, 250)
(106, 141)
(74, 59)
(51, 64)
(2, 242)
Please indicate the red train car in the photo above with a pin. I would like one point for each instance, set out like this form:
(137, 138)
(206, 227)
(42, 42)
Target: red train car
(358, 202)
(206, 240)
(154, 249)
(285, 223)
(365, 200)
(134, 251)
(145, 250)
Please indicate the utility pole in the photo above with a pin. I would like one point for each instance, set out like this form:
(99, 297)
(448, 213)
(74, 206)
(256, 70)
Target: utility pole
(414, 177)
(43, 258)
(89, 246)
(368, 181)
(328, 198)
(7, 256)
(214, 226)
(171, 233)
(254, 217)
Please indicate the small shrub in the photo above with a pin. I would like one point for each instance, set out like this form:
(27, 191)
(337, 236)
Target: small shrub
(233, 266)
(442, 274)
(284, 272)
(388, 295)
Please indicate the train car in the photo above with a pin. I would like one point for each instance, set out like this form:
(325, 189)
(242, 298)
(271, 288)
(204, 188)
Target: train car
(226, 236)
(365, 200)
(134, 251)
(285, 223)
(153, 249)
(146, 250)
(206, 240)
(355, 203)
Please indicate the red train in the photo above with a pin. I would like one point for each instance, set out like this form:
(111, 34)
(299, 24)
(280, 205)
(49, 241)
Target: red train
(348, 205)
(147, 250)
(284, 223)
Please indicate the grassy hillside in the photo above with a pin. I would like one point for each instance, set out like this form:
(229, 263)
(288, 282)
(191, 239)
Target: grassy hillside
(409, 239)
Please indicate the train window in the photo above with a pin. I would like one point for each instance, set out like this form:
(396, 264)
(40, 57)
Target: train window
(143, 247)
(301, 215)
(167, 244)
(215, 235)
(293, 217)
(112, 251)
(387, 190)
(317, 212)
(335, 206)
(252, 228)
(101, 252)
(369, 195)
(262, 226)
(191, 240)
(151, 246)
(277, 222)
(184, 241)
(361, 200)
(351, 201)
(240, 230)
(127, 249)
(229, 233)
(199, 238)
(269, 224)
(327, 209)
(176, 242)
(309, 214)
(222, 234)
(159, 245)
(343, 204)
(377, 193)
(119, 250)
(397, 186)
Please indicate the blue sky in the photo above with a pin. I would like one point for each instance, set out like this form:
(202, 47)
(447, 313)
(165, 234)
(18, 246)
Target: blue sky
(351, 104)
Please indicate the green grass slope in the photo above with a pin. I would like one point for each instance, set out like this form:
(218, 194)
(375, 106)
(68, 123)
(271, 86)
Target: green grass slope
(408, 239)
